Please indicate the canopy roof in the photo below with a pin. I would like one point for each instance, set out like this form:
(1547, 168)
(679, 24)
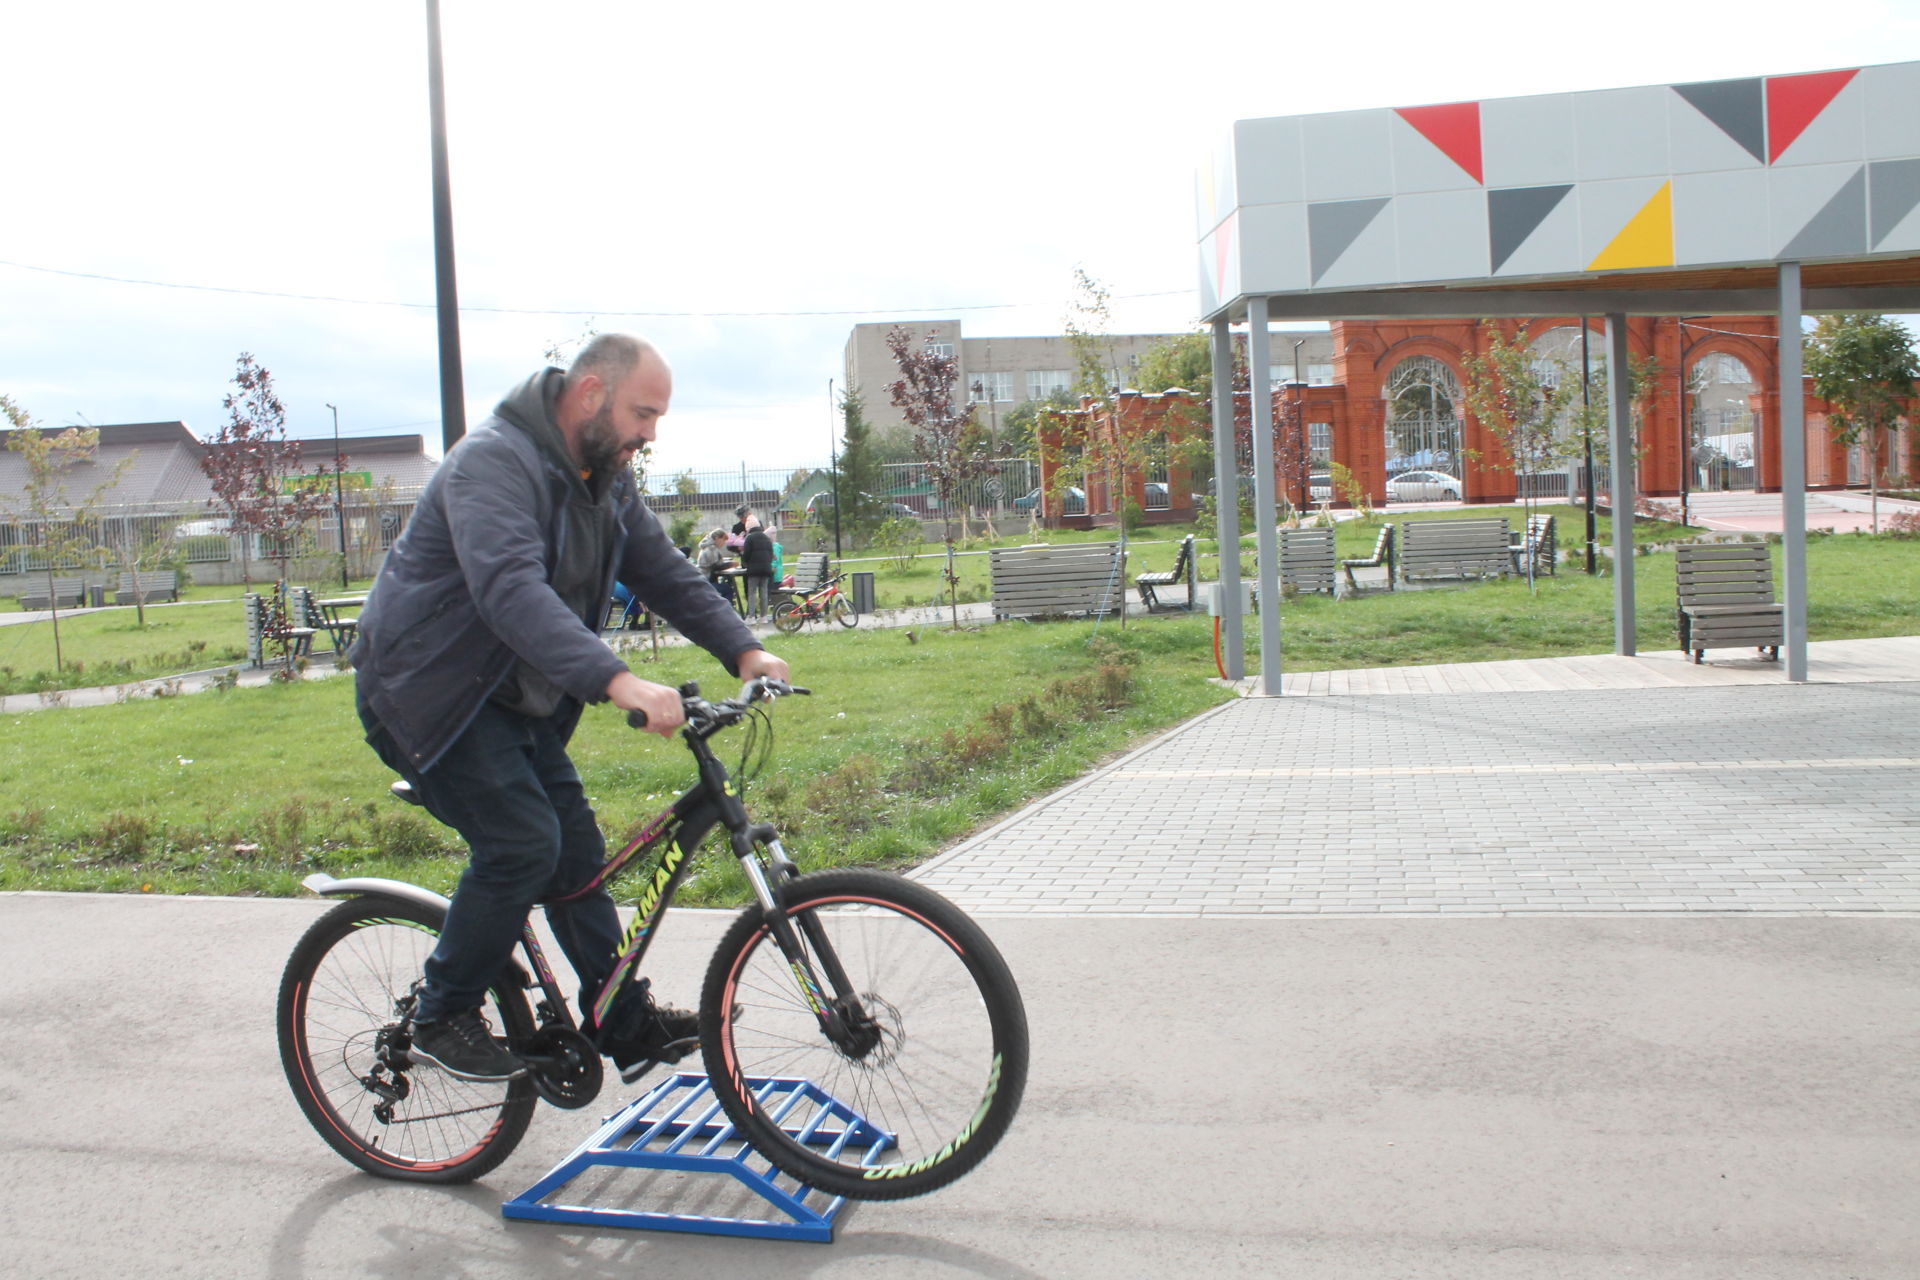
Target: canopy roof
(1660, 199)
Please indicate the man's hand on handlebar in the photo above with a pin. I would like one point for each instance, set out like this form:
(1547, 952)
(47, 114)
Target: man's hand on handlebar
(658, 702)
(758, 662)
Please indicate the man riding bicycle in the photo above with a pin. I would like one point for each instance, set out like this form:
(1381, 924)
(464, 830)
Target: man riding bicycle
(478, 647)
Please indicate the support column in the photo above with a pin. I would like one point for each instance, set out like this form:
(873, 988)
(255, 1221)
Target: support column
(1226, 502)
(1793, 474)
(1265, 521)
(1620, 500)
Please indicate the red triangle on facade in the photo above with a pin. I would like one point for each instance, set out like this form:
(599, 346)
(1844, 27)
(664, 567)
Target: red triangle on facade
(1454, 128)
(1793, 102)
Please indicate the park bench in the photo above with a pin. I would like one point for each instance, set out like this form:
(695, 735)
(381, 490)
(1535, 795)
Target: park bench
(1725, 598)
(809, 575)
(1082, 579)
(278, 619)
(147, 586)
(1471, 548)
(1540, 545)
(1307, 561)
(69, 593)
(1182, 571)
(1382, 557)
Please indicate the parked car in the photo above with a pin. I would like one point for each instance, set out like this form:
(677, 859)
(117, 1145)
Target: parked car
(1423, 486)
(820, 505)
(1073, 501)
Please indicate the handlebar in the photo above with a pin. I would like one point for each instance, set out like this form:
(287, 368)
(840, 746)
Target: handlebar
(707, 717)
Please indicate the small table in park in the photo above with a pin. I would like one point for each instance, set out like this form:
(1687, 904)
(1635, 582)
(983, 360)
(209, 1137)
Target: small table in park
(336, 623)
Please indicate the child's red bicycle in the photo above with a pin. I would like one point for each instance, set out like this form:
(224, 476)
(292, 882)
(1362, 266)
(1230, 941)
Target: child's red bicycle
(825, 601)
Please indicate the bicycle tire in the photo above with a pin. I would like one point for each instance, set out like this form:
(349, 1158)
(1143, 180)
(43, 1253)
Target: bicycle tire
(949, 1067)
(788, 617)
(844, 613)
(337, 997)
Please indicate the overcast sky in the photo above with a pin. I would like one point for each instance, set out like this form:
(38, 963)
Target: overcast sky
(741, 182)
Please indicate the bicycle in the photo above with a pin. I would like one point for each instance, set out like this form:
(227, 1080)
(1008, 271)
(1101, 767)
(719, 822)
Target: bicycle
(824, 601)
(878, 990)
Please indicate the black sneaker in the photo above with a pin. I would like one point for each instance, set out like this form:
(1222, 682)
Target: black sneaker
(661, 1033)
(461, 1045)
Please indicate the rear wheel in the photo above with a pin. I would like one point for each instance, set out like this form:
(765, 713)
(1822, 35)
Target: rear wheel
(843, 612)
(788, 617)
(930, 1050)
(344, 1001)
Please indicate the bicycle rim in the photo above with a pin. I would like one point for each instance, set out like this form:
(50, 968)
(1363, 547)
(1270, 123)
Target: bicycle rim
(338, 999)
(843, 612)
(943, 1078)
(788, 618)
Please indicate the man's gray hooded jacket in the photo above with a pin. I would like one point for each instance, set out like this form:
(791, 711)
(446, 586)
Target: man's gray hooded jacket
(467, 594)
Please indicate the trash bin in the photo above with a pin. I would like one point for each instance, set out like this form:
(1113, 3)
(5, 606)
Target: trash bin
(97, 596)
(862, 592)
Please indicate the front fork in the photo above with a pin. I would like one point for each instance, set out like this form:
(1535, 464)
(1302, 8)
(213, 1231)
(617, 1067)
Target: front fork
(769, 871)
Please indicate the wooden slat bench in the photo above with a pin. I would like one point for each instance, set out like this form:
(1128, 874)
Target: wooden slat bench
(1084, 579)
(70, 592)
(1382, 557)
(1182, 571)
(148, 586)
(1539, 544)
(1307, 562)
(1725, 597)
(1471, 548)
(809, 574)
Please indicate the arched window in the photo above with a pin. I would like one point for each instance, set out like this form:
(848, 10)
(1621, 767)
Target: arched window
(1423, 425)
(1720, 422)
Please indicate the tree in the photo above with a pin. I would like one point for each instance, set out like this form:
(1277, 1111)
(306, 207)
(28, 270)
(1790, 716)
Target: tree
(945, 436)
(60, 531)
(255, 470)
(1863, 366)
(859, 478)
(1184, 360)
(1531, 406)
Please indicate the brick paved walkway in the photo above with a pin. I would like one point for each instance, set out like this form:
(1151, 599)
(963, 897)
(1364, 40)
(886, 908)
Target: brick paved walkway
(1758, 798)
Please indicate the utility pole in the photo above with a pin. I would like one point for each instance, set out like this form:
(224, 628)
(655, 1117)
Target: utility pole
(453, 405)
(339, 506)
(833, 469)
(1586, 423)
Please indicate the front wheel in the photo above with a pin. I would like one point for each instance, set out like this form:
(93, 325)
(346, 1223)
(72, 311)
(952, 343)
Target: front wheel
(843, 613)
(930, 1046)
(344, 1018)
(788, 617)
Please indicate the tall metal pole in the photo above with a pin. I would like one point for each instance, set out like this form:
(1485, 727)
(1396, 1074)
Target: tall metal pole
(833, 468)
(453, 403)
(1226, 504)
(339, 506)
(1586, 417)
(1620, 501)
(1793, 473)
(1265, 519)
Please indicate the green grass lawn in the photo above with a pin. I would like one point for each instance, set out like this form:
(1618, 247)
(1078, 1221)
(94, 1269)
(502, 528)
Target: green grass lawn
(909, 743)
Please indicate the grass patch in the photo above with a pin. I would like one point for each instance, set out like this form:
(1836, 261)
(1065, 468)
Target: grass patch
(247, 791)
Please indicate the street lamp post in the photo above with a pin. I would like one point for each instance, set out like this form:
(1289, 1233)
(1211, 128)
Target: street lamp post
(339, 506)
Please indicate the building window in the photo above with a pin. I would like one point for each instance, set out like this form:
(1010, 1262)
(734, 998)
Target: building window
(1320, 375)
(982, 387)
(943, 350)
(1042, 383)
(1320, 442)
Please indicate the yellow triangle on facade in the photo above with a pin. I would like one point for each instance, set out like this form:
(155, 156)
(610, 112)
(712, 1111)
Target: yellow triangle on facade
(1646, 240)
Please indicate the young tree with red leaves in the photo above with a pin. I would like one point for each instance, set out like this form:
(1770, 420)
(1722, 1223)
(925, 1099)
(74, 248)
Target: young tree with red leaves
(945, 436)
(249, 463)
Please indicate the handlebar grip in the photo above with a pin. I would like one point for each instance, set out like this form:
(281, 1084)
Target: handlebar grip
(636, 719)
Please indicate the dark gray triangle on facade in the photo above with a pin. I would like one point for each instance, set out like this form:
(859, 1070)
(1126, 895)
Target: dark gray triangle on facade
(1514, 213)
(1893, 189)
(1333, 226)
(1839, 228)
(1737, 106)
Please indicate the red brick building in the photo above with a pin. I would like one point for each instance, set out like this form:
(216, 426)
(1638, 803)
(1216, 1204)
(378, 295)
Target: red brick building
(1708, 419)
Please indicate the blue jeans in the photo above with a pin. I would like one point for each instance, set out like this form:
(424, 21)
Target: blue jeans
(507, 786)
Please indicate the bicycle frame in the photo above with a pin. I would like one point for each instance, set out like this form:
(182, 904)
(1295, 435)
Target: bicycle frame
(816, 603)
(674, 835)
